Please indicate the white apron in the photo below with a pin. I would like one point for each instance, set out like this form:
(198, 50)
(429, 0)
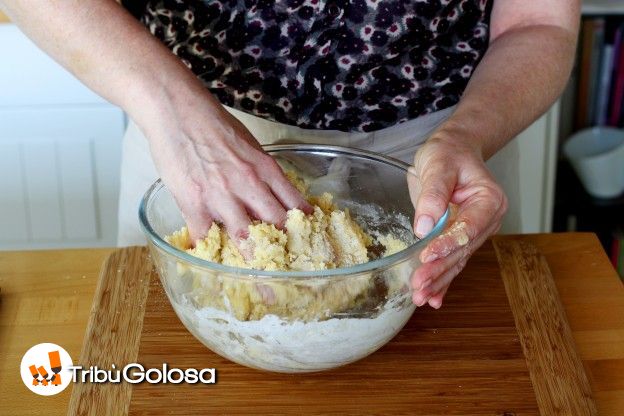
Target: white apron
(400, 141)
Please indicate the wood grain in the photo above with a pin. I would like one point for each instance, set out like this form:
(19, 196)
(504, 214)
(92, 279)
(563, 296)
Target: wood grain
(465, 359)
(46, 296)
(114, 330)
(559, 383)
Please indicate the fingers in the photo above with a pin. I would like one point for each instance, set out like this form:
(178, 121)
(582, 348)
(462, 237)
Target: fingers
(431, 280)
(266, 293)
(287, 194)
(262, 205)
(198, 225)
(480, 213)
(236, 221)
(249, 188)
(424, 275)
(266, 192)
(436, 301)
(456, 236)
(232, 199)
(443, 281)
(196, 215)
(436, 280)
(435, 291)
(431, 194)
(269, 172)
(216, 170)
(445, 173)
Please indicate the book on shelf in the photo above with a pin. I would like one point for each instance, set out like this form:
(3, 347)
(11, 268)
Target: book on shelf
(603, 89)
(617, 80)
(617, 252)
(600, 89)
(590, 48)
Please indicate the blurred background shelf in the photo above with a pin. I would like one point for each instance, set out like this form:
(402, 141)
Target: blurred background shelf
(594, 97)
(576, 210)
(602, 7)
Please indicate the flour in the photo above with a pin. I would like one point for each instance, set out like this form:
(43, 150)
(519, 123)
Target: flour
(274, 344)
(298, 325)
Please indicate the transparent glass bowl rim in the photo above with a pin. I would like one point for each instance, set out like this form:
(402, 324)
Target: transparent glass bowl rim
(329, 150)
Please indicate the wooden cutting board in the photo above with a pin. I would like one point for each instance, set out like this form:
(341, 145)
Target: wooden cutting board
(500, 345)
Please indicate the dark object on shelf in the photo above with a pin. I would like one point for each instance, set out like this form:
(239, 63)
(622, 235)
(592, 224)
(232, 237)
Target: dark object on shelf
(617, 252)
(576, 210)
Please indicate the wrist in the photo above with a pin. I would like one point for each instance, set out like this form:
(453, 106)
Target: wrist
(162, 85)
(455, 135)
(172, 102)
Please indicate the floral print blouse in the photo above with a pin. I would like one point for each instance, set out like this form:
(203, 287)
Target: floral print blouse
(348, 65)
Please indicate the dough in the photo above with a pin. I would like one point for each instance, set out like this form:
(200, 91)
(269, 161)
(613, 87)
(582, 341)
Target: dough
(326, 239)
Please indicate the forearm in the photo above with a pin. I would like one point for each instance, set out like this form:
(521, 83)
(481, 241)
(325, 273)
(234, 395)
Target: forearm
(106, 48)
(521, 75)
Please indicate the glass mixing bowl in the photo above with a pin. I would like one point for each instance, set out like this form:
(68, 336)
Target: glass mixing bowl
(299, 321)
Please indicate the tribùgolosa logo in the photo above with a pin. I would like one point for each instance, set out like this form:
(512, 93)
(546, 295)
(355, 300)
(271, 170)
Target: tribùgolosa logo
(45, 369)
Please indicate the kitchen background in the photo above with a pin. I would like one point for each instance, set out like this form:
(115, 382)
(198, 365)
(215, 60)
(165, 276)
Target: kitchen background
(60, 149)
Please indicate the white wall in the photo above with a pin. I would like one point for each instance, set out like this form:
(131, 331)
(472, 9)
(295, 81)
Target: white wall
(60, 148)
(538, 160)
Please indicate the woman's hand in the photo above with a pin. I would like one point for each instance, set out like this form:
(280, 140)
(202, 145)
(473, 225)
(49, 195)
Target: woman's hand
(502, 98)
(214, 167)
(447, 170)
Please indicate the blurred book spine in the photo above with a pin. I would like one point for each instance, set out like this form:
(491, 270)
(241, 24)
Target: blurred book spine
(603, 94)
(617, 80)
(617, 252)
(600, 89)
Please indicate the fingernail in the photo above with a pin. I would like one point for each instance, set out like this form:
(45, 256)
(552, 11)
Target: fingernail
(424, 226)
(242, 235)
(420, 300)
(430, 257)
(435, 303)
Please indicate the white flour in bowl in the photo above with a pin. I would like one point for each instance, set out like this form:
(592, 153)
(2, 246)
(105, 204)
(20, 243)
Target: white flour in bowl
(277, 345)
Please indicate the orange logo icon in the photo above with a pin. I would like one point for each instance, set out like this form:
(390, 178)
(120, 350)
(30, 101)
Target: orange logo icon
(55, 366)
(42, 379)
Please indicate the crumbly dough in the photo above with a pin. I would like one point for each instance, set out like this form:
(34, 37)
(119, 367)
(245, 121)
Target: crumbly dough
(326, 239)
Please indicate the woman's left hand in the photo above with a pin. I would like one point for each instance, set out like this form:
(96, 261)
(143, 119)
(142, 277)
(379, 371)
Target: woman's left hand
(449, 170)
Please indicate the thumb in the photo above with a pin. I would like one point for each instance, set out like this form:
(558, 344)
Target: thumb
(431, 194)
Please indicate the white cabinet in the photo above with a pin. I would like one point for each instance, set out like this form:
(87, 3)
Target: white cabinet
(60, 148)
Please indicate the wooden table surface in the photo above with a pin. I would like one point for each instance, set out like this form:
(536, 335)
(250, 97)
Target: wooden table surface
(46, 297)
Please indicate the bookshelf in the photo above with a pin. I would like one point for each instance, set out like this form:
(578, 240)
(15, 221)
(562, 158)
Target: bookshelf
(602, 7)
(574, 208)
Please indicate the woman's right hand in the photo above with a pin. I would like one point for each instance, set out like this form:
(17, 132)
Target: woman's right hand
(214, 167)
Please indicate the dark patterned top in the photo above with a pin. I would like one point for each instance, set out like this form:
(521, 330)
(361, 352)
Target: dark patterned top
(349, 65)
